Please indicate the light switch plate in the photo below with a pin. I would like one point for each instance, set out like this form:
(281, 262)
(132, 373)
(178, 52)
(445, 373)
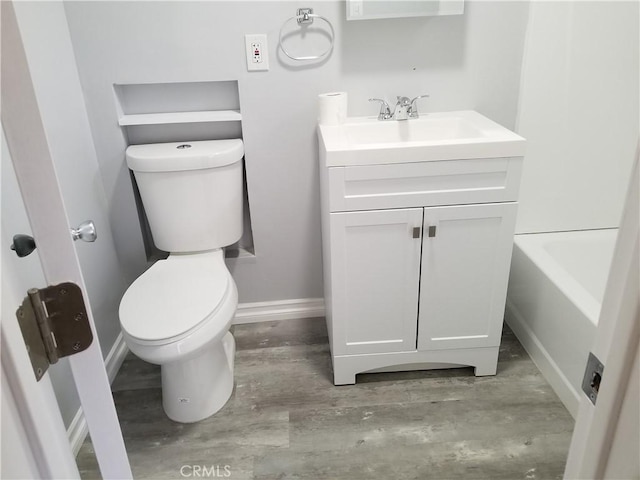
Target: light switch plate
(257, 52)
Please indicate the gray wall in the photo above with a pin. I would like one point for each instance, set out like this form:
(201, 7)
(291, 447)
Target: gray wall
(472, 61)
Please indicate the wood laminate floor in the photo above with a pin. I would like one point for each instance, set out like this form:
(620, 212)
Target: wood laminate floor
(286, 419)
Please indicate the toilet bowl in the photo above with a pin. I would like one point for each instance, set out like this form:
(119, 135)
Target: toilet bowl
(177, 315)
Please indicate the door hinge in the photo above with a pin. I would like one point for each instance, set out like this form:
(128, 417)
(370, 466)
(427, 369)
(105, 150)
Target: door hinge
(54, 324)
(592, 377)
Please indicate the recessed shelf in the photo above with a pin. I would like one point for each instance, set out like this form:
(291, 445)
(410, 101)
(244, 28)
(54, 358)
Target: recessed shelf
(182, 112)
(180, 117)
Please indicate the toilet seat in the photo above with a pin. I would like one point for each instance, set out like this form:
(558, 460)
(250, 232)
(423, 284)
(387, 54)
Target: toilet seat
(175, 297)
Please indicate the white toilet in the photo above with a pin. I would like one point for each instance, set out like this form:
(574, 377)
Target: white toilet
(177, 314)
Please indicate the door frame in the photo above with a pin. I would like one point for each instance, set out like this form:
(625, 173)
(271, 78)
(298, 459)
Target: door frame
(43, 202)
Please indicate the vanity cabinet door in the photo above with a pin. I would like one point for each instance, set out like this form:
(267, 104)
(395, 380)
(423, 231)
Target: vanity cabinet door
(466, 254)
(375, 277)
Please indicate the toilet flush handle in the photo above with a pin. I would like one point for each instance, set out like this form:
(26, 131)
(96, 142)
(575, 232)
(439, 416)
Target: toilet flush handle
(86, 232)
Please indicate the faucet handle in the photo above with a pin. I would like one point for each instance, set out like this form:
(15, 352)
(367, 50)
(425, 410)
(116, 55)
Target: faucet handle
(385, 110)
(413, 110)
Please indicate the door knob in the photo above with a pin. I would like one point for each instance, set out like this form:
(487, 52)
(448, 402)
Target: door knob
(23, 245)
(86, 232)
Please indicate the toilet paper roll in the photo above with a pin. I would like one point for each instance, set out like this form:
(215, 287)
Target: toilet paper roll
(332, 108)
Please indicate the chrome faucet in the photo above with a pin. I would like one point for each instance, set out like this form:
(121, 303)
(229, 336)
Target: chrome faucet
(413, 109)
(405, 108)
(385, 110)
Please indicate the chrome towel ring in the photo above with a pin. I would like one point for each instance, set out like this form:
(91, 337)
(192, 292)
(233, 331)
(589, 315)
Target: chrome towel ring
(305, 16)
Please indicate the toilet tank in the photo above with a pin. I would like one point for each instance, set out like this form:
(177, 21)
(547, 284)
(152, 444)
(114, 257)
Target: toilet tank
(191, 192)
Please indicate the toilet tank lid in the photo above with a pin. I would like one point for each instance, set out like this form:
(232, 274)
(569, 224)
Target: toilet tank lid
(178, 156)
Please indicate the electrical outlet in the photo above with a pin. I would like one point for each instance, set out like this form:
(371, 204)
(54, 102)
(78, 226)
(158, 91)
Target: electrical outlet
(257, 52)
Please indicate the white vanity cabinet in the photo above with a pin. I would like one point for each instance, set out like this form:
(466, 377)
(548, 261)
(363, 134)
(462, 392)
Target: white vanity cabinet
(416, 262)
(464, 274)
(375, 266)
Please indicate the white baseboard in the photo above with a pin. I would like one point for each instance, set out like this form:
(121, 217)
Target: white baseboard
(78, 429)
(279, 310)
(246, 313)
(114, 359)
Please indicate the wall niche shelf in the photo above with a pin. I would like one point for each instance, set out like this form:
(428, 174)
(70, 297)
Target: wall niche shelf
(148, 104)
(178, 111)
(180, 117)
(183, 112)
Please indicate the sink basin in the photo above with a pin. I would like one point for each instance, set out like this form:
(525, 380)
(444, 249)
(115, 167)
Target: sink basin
(434, 136)
(427, 129)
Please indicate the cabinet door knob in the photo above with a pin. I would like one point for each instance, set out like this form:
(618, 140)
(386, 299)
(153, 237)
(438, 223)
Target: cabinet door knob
(416, 232)
(432, 231)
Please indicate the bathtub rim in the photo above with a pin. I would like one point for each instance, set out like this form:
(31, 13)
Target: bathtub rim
(532, 245)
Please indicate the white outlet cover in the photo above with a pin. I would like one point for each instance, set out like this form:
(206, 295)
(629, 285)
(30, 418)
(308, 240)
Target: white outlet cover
(257, 52)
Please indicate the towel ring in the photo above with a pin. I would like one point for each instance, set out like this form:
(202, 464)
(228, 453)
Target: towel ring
(305, 16)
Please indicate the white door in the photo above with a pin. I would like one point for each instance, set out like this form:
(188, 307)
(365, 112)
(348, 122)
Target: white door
(36, 177)
(466, 252)
(376, 273)
(23, 456)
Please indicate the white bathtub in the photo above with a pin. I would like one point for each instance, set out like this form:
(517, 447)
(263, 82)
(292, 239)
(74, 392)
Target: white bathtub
(556, 286)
